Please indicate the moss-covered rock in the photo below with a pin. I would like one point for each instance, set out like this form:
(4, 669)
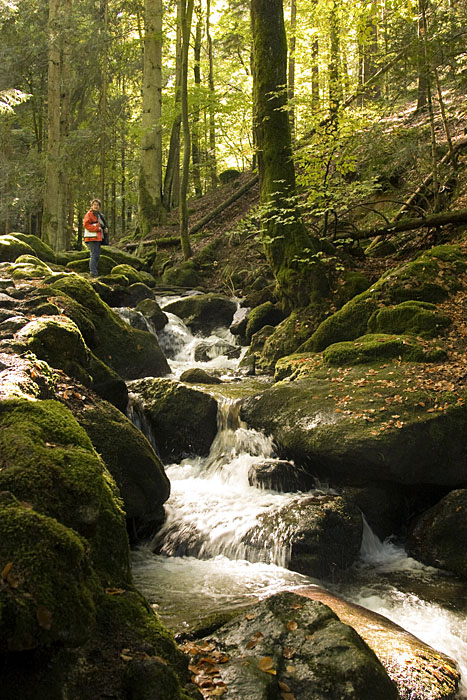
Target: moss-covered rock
(183, 420)
(153, 313)
(48, 586)
(123, 257)
(431, 278)
(264, 315)
(377, 347)
(131, 274)
(58, 341)
(131, 460)
(29, 267)
(197, 375)
(49, 462)
(367, 423)
(42, 250)
(415, 317)
(63, 257)
(321, 532)
(105, 266)
(288, 336)
(203, 313)
(129, 352)
(439, 536)
(12, 247)
(185, 275)
(107, 383)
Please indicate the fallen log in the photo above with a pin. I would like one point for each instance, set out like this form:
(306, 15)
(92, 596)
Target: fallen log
(432, 221)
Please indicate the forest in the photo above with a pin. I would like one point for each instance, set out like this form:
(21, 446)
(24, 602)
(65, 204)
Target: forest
(233, 462)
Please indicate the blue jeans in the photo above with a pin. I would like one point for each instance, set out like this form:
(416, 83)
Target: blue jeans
(95, 251)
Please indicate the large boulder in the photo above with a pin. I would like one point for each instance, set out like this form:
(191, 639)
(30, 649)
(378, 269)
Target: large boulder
(131, 353)
(42, 250)
(153, 313)
(289, 647)
(439, 536)
(12, 247)
(419, 671)
(204, 313)
(183, 420)
(137, 470)
(368, 423)
(321, 533)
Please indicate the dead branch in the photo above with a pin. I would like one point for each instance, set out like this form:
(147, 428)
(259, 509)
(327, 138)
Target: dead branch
(432, 221)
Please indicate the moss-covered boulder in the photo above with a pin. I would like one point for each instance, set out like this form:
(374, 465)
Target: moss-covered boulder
(42, 250)
(131, 353)
(366, 423)
(153, 313)
(131, 273)
(203, 313)
(264, 315)
(107, 383)
(197, 375)
(106, 264)
(29, 267)
(439, 536)
(378, 347)
(185, 275)
(63, 257)
(49, 463)
(288, 336)
(131, 460)
(183, 420)
(290, 646)
(431, 278)
(48, 586)
(58, 341)
(415, 317)
(12, 247)
(322, 534)
(123, 257)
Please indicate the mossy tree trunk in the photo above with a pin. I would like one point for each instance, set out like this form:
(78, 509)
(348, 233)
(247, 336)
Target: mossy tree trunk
(150, 209)
(172, 171)
(187, 14)
(290, 250)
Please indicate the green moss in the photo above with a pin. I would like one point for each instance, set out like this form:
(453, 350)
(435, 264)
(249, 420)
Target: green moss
(348, 323)
(82, 265)
(184, 275)
(377, 347)
(47, 594)
(11, 248)
(263, 315)
(130, 273)
(49, 462)
(112, 280)
(58, 341)
(414, 317)
(43, 251)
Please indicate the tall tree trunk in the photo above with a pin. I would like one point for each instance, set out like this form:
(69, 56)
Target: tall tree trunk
(64, 204)
(422, 92)
(172, 171)
(335, 88)
(150, 209)
(427, 71)
(291, 69)
(187, 13)
(52, 218)
(195, 138)
(103, 101)
(212, 99)
(285, 238)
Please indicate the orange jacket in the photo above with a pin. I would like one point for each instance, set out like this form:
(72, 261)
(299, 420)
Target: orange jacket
(92, 227)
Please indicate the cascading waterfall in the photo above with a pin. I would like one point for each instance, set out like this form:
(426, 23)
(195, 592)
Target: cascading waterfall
(205, 562)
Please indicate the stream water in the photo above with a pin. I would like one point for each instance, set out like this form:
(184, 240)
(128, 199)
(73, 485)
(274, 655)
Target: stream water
(202, 565)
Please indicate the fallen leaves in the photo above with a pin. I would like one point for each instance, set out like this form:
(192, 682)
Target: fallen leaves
(204, 667)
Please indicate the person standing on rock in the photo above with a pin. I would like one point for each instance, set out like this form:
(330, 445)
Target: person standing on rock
(95, 233)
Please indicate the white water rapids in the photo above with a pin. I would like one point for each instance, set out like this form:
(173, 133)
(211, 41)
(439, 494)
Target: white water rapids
(203, 565)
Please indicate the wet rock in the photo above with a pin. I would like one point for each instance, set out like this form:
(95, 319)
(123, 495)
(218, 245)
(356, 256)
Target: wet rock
(419, 671)
(135, 293)
(289, 646)
(153, 313)
(196, 375)
(263, 315)
(439, 536)
(322, 533)
(203, 313)
(208, 351)
(386, 507)
(183, 420)
(131, 460)
(354, 426)
(279, 475)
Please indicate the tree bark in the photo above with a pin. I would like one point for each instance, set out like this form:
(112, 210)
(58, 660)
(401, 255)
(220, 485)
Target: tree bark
(187, 12)
(172, 171)
(212, 93)
(291, 69)
(103, 102)
(195, 131)
(150, 209)
(286, 241)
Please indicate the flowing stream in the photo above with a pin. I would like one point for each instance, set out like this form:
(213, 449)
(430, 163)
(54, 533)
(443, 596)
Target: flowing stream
(203, 564)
